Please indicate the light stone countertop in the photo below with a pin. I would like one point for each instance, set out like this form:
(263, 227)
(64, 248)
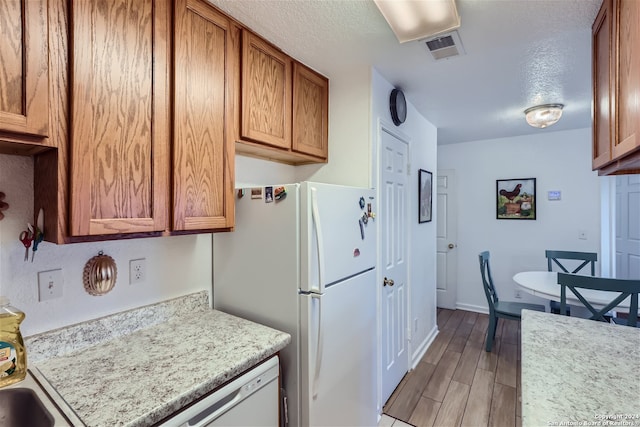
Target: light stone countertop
(137, 379)
(579, 372)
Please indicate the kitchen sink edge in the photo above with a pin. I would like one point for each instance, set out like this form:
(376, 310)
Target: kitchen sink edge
(62, 414)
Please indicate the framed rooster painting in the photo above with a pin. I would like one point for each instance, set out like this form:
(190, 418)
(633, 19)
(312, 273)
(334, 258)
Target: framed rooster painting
(516, 198)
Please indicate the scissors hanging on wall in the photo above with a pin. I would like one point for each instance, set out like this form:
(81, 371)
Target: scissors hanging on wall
(31, 238)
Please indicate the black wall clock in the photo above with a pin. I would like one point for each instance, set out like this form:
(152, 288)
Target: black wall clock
(398, 107)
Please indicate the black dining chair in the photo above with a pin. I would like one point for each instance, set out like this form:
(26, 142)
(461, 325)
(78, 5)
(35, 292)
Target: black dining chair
(623, 288)
(499, 309)
(554, 258)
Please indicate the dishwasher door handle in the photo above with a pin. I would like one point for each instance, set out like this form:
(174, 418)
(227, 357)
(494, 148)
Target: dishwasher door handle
(214, 411)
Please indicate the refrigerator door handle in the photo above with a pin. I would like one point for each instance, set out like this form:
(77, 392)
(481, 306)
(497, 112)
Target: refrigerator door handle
(315, 213)
(319, 348)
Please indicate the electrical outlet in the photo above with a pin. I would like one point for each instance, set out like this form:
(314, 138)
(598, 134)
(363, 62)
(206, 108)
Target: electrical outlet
(137, 271)
(50, 284)
(518, 294)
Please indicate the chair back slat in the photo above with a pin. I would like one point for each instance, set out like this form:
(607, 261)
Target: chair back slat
(625, 288)
(588, 258)
(487, 280)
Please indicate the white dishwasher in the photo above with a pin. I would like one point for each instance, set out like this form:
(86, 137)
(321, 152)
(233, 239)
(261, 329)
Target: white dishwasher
(249, 400)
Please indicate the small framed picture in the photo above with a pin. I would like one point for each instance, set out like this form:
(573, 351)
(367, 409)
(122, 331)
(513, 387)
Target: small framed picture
(425, 180)
(516, 198)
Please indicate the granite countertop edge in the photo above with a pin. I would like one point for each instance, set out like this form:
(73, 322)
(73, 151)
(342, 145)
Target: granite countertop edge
(141, 378)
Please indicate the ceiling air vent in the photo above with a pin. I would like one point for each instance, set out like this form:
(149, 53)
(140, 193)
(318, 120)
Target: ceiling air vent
(445, 46)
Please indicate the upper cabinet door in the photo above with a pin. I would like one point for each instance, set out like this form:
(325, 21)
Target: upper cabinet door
(24, 77)
(627, 36)
(266, 93)
(119, 116)
(206, 72)
(310, 112)
(602, 90)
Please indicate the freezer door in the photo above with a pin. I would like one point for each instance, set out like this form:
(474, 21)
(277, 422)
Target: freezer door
(338, 338)
(338, 235)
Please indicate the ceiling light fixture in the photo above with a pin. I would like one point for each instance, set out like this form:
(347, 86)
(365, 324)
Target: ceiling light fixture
(542, 116)
(417, 19)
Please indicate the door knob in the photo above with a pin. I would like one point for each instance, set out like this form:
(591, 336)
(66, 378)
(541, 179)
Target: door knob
(388, 282)
(451, 246)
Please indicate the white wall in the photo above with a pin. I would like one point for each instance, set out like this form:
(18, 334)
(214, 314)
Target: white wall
(349, 138)
(176, 266)
(251, 171)
(558, 161)
(422, 237)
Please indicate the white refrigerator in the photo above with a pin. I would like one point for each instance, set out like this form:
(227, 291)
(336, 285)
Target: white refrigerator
(305, 264)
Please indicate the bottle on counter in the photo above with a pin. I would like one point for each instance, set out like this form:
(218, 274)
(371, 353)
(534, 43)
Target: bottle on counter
(13, 357)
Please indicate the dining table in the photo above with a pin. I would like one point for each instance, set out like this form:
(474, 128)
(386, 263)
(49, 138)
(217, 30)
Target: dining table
(544, 284)
(578, 372)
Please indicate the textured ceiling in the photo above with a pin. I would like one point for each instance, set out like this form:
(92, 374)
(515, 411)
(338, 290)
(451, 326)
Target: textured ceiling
(519, 53)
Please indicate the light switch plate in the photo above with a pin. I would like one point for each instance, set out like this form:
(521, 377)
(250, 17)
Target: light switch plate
(50, 284)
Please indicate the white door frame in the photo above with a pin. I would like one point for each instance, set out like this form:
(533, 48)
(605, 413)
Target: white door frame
(384, 126)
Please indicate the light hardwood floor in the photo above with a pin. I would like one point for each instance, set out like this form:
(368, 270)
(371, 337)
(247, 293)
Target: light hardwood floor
(457, 382)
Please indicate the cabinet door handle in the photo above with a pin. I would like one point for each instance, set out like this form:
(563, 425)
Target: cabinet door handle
(388, 282)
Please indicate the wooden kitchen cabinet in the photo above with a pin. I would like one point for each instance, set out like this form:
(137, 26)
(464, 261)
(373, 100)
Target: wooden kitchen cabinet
(24, 78)
(119, 117)
(310, 112)
(266, 93)
(616, 88)
(206, 74)
(284, 106)
(143, 118)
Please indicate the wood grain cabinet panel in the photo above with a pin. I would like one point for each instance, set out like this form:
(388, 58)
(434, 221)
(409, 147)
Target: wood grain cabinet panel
(310, 112)
(266, 93)
(206, 63)
(284, 114)
(119, 116)
(602, 72)
(24, 78)
(627, 99)
(616, 88)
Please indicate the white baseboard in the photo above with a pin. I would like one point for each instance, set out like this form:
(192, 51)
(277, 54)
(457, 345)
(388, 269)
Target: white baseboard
(423, 347)
(476, 308)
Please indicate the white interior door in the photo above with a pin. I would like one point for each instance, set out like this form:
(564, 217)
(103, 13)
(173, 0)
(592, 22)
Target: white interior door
(446, 225)
(628, 227)
(393, 247)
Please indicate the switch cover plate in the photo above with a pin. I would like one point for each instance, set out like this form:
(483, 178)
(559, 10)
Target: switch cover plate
(50, 284)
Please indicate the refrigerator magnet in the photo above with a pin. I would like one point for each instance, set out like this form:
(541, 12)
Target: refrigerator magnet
(279, 193)
(268, 194)
(256, 193)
